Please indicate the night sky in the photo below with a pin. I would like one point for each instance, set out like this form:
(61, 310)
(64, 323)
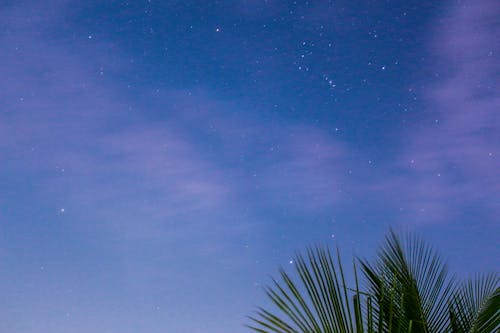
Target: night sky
(159, 160)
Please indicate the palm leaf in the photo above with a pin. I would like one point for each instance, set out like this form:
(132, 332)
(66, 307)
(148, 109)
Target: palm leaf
(475, 307)
(318, 302)
(408, 291)
(411, 286)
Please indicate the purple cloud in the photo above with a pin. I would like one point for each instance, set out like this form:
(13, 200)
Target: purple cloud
(452, 164)
(90, 150)
(309, 173)
(158, 171)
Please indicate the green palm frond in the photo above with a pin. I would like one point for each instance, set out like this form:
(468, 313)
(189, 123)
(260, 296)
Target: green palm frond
(475, 307)
(411, 285)
(318, 302)
(408, 290)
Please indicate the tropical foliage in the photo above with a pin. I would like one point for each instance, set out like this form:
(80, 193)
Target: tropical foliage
(407, 289)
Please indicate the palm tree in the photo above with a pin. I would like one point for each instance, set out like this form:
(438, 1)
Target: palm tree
(407, 289)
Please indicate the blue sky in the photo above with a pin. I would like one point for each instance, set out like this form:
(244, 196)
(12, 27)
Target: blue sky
(159, 160)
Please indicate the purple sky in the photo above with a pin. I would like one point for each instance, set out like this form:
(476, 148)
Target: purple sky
(154, 192)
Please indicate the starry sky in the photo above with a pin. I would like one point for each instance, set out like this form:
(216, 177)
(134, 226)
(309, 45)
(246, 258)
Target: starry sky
(159, 160)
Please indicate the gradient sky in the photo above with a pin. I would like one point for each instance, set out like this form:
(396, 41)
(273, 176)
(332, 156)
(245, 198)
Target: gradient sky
(160, 159)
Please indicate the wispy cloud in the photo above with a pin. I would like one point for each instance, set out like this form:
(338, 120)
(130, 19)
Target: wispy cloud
(450, 164)
(96, 152)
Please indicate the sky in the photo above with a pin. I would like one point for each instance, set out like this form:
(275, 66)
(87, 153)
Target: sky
(159, 160)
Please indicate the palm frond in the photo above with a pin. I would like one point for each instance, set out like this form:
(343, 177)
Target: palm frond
(475, 307)
(408, 290)
(318, 302)
(411, 285)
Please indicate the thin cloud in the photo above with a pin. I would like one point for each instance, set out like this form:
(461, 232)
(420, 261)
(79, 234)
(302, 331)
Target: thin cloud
(451, 164)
